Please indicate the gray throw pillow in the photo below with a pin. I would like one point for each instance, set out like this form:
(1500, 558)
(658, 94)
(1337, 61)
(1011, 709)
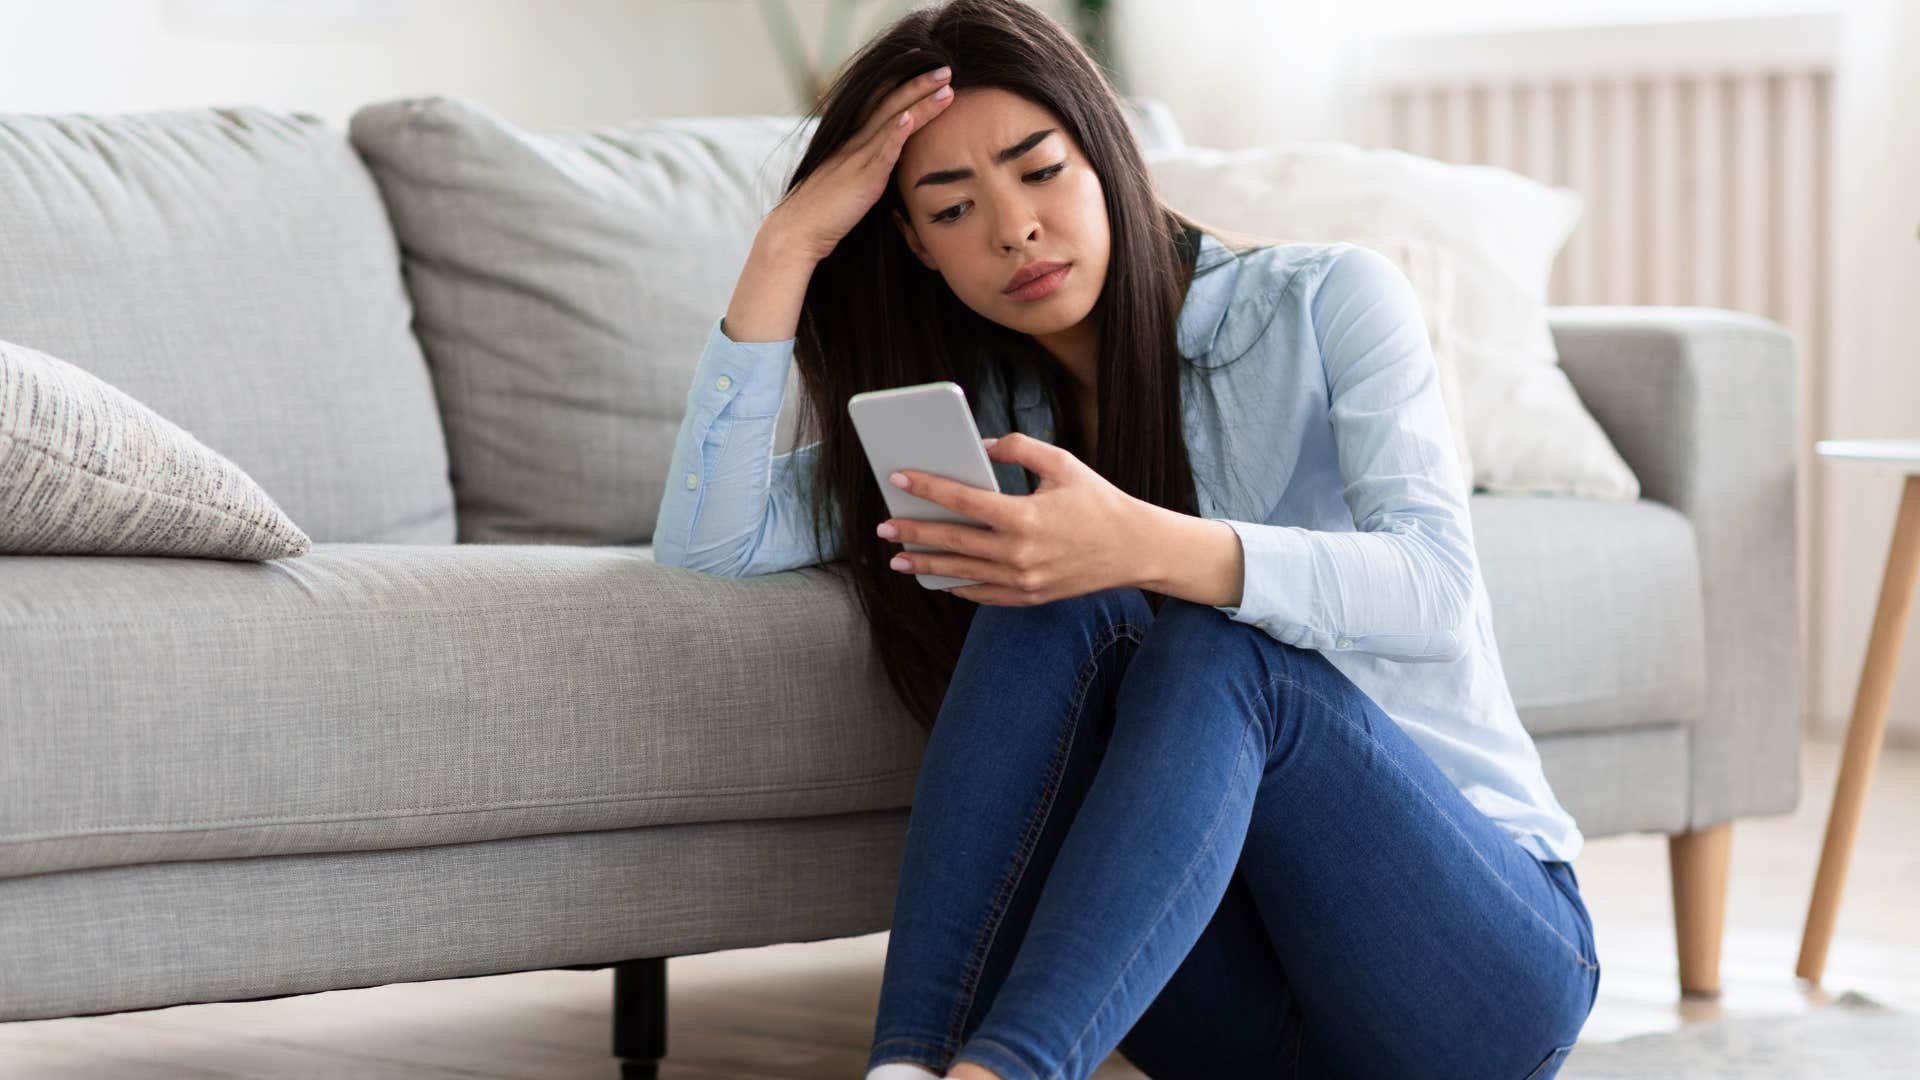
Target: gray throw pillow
(87, 470)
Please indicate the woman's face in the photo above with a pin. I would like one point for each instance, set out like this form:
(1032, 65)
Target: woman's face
(1041, 203)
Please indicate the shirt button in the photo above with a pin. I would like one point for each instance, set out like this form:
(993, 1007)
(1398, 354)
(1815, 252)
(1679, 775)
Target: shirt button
(692, 481)
(1343, 643)
(723, 382)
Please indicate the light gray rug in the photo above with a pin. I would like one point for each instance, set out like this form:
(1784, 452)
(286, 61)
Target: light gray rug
(1853, 1037)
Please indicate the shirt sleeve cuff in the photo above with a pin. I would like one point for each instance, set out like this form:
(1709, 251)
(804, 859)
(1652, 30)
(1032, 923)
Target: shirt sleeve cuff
(752, 374)
(1277, 591)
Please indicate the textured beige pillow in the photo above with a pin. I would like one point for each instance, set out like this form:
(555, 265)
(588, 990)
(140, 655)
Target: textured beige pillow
(87, 470)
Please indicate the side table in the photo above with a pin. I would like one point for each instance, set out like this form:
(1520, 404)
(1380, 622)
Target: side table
(1869, 721)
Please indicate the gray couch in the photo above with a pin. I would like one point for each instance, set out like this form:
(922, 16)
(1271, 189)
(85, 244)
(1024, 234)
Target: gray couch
(477, 730)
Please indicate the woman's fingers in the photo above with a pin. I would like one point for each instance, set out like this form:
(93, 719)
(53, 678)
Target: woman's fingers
(952, 536)
(957, 566)
(914, 96)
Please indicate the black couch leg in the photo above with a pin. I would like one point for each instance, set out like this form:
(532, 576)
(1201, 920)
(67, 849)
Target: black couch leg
(640, 1017)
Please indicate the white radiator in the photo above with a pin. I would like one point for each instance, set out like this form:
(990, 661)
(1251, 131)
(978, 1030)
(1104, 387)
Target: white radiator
(1701, 187)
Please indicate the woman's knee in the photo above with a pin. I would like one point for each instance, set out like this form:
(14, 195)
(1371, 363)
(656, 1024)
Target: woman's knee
(1065, 657)
(1200, 642)
(1089, 612)
(1197, 662)
(1204, 630)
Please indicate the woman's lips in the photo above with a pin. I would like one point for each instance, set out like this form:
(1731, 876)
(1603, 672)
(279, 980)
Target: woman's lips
(1043, 286)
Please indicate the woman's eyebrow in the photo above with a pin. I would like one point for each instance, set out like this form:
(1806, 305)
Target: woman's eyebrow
(948, 176)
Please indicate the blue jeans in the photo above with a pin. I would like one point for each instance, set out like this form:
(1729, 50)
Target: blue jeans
(1178, 837)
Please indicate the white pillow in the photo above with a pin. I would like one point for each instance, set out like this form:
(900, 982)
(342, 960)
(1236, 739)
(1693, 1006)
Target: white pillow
(87, 470)
(1527, 432)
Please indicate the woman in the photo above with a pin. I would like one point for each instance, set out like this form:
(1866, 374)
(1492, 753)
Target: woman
(1222, 769)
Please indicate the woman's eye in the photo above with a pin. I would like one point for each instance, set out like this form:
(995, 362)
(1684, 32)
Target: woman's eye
(1042, 176)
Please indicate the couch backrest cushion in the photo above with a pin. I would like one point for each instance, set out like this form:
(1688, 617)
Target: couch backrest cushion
(233, 270)
(564, 284)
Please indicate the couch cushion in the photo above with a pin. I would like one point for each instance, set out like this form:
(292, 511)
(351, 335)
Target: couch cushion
(385, 696)
(564, 283)
(232, 269)
(1597, 609)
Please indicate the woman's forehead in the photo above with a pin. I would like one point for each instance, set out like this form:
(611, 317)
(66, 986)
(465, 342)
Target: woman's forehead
(975, 129)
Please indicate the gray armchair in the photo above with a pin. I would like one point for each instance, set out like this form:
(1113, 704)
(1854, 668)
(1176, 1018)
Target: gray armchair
(1704, 406)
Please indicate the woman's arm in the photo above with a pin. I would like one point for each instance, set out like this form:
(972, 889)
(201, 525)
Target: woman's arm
(1193, 558)
(1403, 585)
(731, 506)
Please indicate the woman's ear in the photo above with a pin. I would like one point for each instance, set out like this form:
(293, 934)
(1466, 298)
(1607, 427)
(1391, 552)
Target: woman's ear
(913, 241)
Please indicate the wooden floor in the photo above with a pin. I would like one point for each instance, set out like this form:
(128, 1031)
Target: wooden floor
(807, 1010)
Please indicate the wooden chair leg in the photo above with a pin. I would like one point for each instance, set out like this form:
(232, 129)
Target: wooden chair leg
(1699, 862)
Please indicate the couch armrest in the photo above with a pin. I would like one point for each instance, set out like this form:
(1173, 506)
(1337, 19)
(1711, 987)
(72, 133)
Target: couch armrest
(1704, 406)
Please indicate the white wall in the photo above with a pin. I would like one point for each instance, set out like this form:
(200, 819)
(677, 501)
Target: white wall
(1875, 341)
(1256, 72)
(1239, 73)
(544, 63)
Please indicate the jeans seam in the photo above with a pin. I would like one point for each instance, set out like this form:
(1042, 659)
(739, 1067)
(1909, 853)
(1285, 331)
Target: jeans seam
(1441, 813)
(1036, 824)
(1578, 905)
(1299, 1041)
(1186, 875)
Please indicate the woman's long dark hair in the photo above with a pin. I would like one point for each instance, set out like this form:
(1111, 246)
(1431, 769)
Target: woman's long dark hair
(875, 317)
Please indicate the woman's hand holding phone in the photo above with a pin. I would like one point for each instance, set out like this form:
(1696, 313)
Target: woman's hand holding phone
(1075, 534)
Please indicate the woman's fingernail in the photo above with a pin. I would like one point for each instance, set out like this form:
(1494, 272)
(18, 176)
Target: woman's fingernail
(989, 442)
(900, 562)
(887, 530)
(942, 72)
(899, 480)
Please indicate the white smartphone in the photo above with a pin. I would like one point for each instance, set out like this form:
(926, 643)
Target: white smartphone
(927, 427)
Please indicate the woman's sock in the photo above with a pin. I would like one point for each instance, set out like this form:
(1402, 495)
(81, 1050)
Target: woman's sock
(901, 1070)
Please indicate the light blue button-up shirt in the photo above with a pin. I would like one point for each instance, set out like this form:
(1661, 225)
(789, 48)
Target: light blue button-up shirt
(1314, 422)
